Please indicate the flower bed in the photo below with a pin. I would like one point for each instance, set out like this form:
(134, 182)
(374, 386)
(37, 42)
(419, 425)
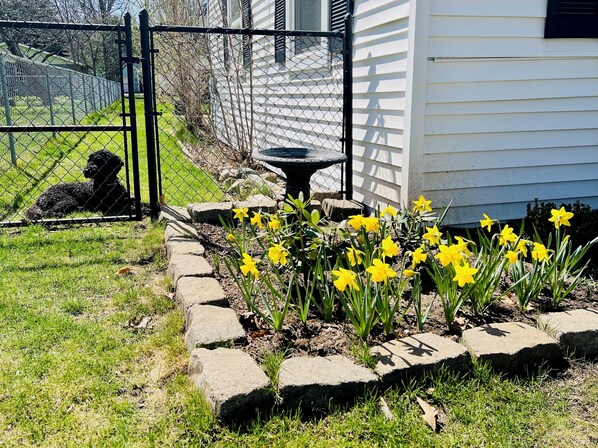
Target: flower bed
(303, 285)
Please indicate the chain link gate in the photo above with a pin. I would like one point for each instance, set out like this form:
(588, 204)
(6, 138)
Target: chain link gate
(218, 94)
(54, 115)
(212, 96)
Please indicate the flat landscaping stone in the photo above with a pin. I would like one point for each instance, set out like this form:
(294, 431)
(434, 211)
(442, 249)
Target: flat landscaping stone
(199, 291)
(512, 347)
(210, 212)
(211, 326)
(183, 246)
(173, 213)
(415, 356)
(179, 229)
(314, 382)
(576, 331)
(265, 205)
(231, 381)
(340, 209)
(181, 265)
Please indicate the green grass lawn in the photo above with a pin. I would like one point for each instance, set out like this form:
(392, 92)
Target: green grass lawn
(44, 160)
(74, 371)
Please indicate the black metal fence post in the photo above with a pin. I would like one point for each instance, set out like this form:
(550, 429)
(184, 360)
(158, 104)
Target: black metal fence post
(149, 110)
(132, 113)
(348, 103)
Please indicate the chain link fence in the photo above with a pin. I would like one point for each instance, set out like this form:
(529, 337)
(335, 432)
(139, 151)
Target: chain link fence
(54, 114)
(229, 93)
(44, 94)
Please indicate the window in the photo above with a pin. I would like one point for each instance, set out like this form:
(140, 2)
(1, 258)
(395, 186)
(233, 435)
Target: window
(234, 16)
(237, 14)
(572, 18)
(307, 15)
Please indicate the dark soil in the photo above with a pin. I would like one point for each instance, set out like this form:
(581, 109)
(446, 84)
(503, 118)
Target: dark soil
(319, 338)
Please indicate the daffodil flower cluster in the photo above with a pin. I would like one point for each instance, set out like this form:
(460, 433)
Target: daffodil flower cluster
(295, 261)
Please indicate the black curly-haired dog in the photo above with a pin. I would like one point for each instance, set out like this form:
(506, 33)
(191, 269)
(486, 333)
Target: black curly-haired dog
(103, 193)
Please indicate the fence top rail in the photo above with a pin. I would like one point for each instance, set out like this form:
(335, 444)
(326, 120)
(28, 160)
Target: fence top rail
(60, 26)
(243, 31)
(8, 57)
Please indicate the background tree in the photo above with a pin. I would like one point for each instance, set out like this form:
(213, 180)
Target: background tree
(30, 10)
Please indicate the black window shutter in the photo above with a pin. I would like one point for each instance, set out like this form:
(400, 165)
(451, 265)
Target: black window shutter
(572, 18)
(338, 10)
(279, 24)
(225, 38)
(247, 23)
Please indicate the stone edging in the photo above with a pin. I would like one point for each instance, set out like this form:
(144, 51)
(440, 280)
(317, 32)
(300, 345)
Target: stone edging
(235, 385)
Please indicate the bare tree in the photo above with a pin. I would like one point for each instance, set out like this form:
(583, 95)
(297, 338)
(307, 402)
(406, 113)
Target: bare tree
(207, 77)
(30, 10)
(95, 49)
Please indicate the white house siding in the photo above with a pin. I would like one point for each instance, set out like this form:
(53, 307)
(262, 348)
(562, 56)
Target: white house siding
(296, 104)
(510, 116)
(379, 75)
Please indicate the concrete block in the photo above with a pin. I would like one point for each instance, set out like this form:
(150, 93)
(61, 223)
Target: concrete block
(210, 212)
(179, 229)
(264, 205)
(212, 326)
(232, 382)
(173, 213)
(512, 347)
(199, 291)
(321, 195)
(416, 356)
(576, 331)
(340, 209)
(183, 246)
(313, 383)
(181, 265)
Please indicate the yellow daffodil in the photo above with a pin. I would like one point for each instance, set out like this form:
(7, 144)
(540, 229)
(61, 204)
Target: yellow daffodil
(390, 210)
(388, 248)
(231, 238)
(506, 236)
(344, 278)
(355, 256)
(249, 266)
(257, 220)
(241, 213)
(371, 224)
(433, 235)
(419, 256)
(449, 255)
(522, 246)
(278, 254)
(380, 271)
(356, 221)
(486, 222)
(422, 205)
(560, 217)
(464, 274)
(462, 246)
(511, 256)
(409, 273)
(540, 252)
(274, 223)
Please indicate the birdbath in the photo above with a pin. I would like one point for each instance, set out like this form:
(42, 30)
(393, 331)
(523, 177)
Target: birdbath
(298, 164)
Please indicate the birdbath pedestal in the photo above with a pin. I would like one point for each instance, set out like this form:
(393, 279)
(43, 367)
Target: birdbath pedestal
(299, 164)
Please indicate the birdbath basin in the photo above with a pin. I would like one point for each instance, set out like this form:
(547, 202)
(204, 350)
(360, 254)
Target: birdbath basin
(299, 164)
